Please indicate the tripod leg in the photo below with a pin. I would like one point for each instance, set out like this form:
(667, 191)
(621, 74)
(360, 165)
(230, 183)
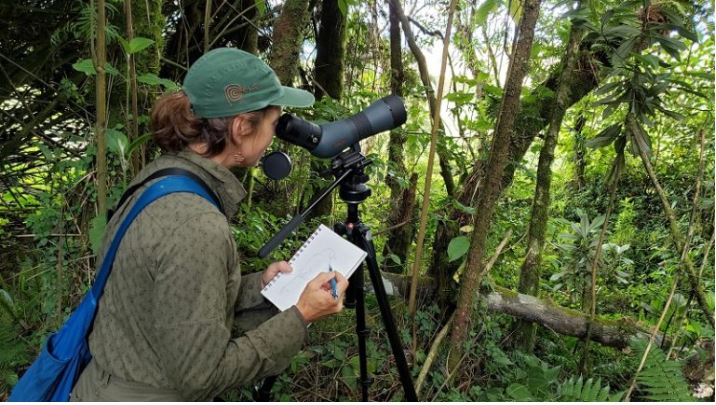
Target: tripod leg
(263, 393)
(356, 283)
(362, 238)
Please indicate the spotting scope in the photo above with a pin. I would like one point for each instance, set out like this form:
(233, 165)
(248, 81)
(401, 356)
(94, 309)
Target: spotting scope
(329, 139)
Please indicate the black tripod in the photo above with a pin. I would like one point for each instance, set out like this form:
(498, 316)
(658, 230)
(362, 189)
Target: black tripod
(348, 169)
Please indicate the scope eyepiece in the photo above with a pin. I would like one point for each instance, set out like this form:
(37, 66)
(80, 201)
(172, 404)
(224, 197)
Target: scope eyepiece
(298, 132)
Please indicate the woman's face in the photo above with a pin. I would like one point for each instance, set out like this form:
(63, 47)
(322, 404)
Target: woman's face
(253, 145)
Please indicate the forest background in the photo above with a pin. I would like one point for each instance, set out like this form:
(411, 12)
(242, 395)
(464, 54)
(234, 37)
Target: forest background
(560, 250)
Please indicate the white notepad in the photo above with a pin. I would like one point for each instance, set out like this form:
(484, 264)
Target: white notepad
(322, 249)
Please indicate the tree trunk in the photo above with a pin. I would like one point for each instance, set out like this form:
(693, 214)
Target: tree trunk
(330, 49)
(287, 39)
(445, 170)
(530, 270)
(101, 100)
(148, 22)
(328, 73)
(639, 137)
(496, 164)
(402, 224)
(132, 112)
(580, 162)
(402, 199)
(248, 36)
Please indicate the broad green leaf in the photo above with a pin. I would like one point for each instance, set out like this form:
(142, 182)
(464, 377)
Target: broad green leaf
(458, 247)
(671, 46)
(484, 11)
(464, 208)
(622, 53)
(151, 79)
(679, 300)
(466, 228)
(137, 142)
(519, 392)
(607, 88)
(621, 31)
(138, 44)
(395, 258)
(605, 137)
(117, 142)
(597, 222)
(96, 232)
(5, 296)
(261, 7)
(587, 394)
(516, 10)
(343, 7)
(349, 376)
(651, 60)
(85, 66)
(683, 31)
(111, 70)
(460, 97)
(168, 84)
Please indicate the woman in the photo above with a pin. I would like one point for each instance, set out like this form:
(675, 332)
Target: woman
(163, 331)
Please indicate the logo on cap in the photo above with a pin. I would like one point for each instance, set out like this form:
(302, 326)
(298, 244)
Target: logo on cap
(233, 93)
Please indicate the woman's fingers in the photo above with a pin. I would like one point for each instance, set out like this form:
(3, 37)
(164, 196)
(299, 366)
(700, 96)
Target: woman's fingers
(323, 277)
(341, 283)
(281, 267)
(324, 280)
(273, 269)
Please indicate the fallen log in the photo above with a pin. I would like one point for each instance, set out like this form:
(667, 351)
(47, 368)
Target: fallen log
(561, 320)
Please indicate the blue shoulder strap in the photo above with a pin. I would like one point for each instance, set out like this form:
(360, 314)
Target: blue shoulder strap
(164, 186)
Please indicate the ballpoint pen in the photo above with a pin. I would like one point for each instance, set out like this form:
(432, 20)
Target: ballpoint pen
(333, 284)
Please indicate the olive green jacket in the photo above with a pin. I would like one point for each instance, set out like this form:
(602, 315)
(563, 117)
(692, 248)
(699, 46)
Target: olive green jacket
(171, 308)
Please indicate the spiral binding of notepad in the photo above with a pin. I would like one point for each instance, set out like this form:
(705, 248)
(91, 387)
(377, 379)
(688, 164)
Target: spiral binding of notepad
(296, 255)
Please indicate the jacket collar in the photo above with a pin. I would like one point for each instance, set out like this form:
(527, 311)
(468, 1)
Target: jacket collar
(222, 181)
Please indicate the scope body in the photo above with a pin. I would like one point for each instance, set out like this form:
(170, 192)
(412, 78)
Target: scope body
(329, 139)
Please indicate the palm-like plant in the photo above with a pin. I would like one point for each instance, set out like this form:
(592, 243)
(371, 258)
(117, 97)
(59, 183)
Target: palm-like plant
(579, 249)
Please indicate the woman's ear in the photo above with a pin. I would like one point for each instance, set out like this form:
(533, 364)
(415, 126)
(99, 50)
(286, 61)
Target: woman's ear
(240, 127)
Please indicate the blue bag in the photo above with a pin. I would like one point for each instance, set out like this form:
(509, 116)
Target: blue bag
(66, 353)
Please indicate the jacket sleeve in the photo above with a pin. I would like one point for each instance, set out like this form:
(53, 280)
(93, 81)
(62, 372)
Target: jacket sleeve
(192, 333)
(250, 293)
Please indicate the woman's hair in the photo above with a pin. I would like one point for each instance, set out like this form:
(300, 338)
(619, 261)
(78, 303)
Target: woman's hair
(175, 126)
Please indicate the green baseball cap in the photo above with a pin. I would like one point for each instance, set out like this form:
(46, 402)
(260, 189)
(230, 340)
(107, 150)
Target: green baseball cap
(226, 81)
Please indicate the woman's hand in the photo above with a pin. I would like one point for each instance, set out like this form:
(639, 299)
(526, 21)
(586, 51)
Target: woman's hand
(273, 269)
(317, 300)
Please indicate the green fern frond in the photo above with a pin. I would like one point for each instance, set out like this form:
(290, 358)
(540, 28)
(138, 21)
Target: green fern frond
(578, 390)
(661, 379)
(13, 353)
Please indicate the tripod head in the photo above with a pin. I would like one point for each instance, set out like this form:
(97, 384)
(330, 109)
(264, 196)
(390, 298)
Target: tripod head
(348, 170)
(352, 188)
